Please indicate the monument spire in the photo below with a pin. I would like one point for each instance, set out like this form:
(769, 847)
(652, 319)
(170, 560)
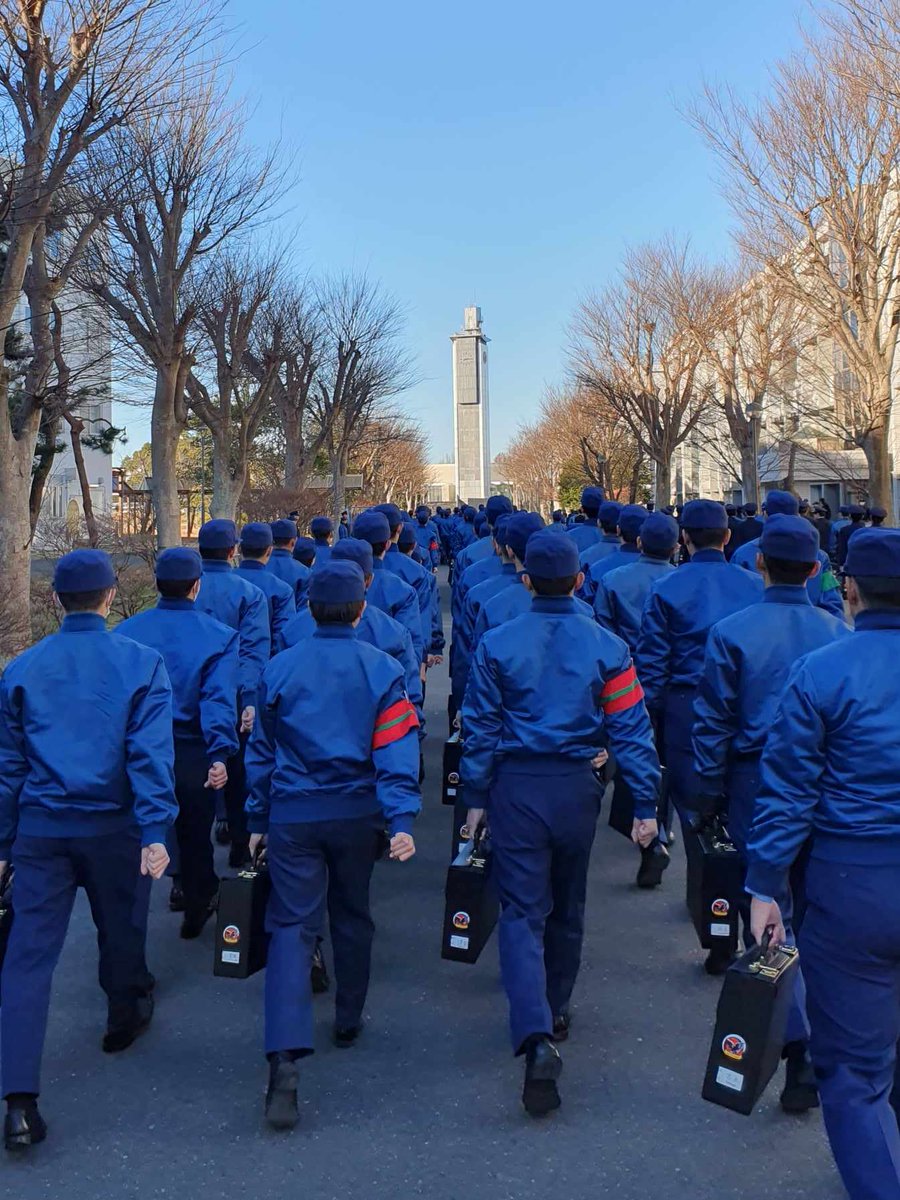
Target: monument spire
(471, 417)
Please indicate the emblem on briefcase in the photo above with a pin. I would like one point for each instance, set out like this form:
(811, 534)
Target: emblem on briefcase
(231, 935)
(734, 1046)
(461, 920)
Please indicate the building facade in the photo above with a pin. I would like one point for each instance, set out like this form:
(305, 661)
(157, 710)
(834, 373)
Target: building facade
(471, 413)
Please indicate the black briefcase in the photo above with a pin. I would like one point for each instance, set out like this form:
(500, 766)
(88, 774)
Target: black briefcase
(6, 913)
(452, 759)
(715, 885)
(242, 944)
(471, 905)
(750, 1022)
(621, 807)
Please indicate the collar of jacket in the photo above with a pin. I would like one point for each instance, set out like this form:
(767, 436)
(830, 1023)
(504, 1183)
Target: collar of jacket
(184, 605)
(322, 541)
(335, 631)
(393, 548)
(786, 593)
(83, 623)
(869, 618)
(650, 559)
(378, 564)
(709, 556)
(252, 564)
(508, 568)
(612, 537)
(211, 565)
(592, 522)
(280, 550)
(629, 548)
(554, 604)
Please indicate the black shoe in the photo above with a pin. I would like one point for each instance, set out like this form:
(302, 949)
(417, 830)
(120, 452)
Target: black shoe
(176, 898)
(24, 1127)
(800, 1091)
(192, 925)
(561, 1027)
(346, 1037)
(115, 1040)
(654, 860)
(281, 1097)
(318, 974)
(543, 1067)
(718, 961)
(238, 856)
(222, 833)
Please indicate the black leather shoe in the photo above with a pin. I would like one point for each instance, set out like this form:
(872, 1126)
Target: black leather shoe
(222, 833)
(346, 1037)
(238, 856)
(176, 898)
(318, 974)
(23, 1128)
(543, 1067)
(192, 925)
(800, 1091)
(561, 1025)
(281, 1097)
(718, 961)
(118, 1039)
(654, 860)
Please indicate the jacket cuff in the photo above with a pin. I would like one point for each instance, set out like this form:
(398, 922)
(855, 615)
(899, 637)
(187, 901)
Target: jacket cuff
(765, 880)
(258, 822)
(154, 834)
(401, 823)
(220, 756)
(5, 851)
(644, 810)
(249, 698)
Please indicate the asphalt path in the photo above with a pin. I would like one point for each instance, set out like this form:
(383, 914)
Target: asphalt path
(427, 1104)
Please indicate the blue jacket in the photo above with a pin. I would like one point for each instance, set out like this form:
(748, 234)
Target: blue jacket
(395, 597)
(285, 566)
(461, 536)
(477, 572)
(823, 589)
(832, 759)
(419, 579)
(279, 597)
(681, 608)
(343, 530)
(750, 528)
(588, 533)
(85, 738)
(335, 738)
(551, 682)
(323, 552)
(473, 553)
(607, 544)
(622, 555)
(428, 540)
(507, 604)
(464, 636)
(201, 657)
(438, 640)
(622, 593)
(231, 599)
(749, 656)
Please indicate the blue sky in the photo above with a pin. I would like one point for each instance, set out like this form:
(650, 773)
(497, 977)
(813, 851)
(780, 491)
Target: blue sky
(502, 153)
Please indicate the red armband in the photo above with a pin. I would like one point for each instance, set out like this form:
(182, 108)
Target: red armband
(621, 692)
(393, 724)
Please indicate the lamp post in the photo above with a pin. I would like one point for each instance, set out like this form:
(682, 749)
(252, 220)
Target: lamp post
(754, 413)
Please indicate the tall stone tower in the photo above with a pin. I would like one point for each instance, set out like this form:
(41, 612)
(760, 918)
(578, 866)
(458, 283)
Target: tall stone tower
(471, 417)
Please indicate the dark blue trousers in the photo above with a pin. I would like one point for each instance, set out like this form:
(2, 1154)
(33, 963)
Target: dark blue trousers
(49, 872)
(235, 796)
(678, 724)
(850, 948)
(315, 865)
(543, 816)
(193, 826)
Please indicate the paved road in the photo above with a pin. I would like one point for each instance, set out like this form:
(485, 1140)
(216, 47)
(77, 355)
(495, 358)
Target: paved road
(428, 1103)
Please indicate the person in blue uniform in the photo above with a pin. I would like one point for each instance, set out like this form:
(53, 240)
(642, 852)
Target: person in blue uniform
(388, 591)
(463, 534)
(284, 565)
(734, 524)
(622, 593)
(240, 605)
(411, 572)
(333, 757)
(746, 668)
(545, 694)
(857, 521)
(588, 532)
(87, 796)
(322, 530)
(609, 540)
(681, 609)
(256, 553)
(201, 658)
(824, 590)
(877, 516)
(427, 536)
(434, 649)
(557, 521)
(829, 771)
(344, 525)
(481, 560)
(628, 527)
(305, 552)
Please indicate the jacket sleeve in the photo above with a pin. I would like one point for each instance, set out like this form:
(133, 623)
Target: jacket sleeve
(792, 765)
(284, 607)
(395, 755)
(150, 756)
(408, 615)
(218, 702)
(653, 650)
(437, 619)
(259, 760)
(255, 647)
(715, 714)
(407, 660)
(627, 721)
(481, 726)
(604, 612)
(462, 653)
(13, 766)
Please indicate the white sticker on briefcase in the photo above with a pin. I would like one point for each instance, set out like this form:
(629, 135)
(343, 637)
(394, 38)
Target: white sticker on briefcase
(231, 956)
(231, 935)
(461, 920)
(459, 943)
(730, 1079)
(716, 930)
(734, 1046)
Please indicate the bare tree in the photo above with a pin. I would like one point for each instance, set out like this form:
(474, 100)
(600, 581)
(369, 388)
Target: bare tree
(392, 456)
(579, 427)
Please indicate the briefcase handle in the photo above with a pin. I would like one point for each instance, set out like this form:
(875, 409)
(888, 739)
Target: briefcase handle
(766, 944)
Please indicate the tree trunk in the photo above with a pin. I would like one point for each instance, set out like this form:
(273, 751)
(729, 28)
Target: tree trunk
(663, 490)
(788, 482)
(749, 473)
(294, 450)
(226, 488)
(76, 427)
(338, 464)
(165, 432)
(42, 471)
(15, 536)
(878, 459)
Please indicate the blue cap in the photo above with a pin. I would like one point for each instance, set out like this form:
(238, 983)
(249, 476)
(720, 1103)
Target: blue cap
(704, 514)
(284, 530)
(481, 519)
(469, 513)
(659, 533)
(337, 583)
(372, 526)
(520, 528)
(750, 510)
(609, 512)
(879, 513)
(500, 527)
(423, 512)
(730, 509)
(320, 527)
(497, 506)
(407, 535)
(392, 512)
(351, 549)
(180, 564)
(305, 548)
(874, 552)
(219, 534)
(781, 503)
(856, 510)
(549, 556)
(84, 571)
(631, 518)
(591, 498)
(256, 536)
(792, 538)
(844, 510)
